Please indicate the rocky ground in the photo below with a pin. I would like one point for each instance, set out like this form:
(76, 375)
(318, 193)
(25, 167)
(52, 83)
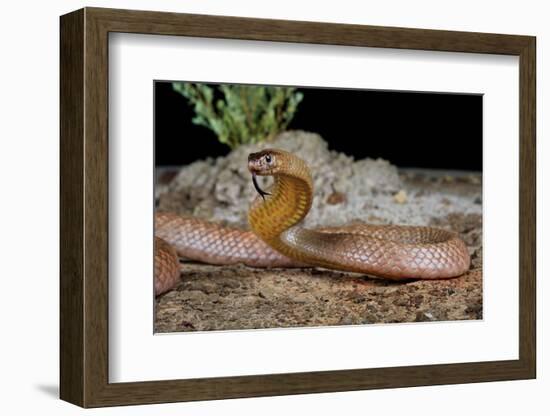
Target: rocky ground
(238, 297)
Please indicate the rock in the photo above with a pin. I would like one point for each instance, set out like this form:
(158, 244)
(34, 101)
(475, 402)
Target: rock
(400, 197)
(221, 189)
(346, 190)
(336, 198)
(475, 179)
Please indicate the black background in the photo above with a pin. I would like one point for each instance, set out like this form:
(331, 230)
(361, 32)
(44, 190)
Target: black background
(425, 130)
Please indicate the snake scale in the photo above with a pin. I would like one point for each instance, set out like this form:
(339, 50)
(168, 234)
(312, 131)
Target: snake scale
(277, 240)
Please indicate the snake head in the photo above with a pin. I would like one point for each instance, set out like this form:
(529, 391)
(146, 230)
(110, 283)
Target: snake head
(264, 163)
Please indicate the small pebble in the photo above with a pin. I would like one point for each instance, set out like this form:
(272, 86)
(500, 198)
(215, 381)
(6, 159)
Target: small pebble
(476, 180)
(400, 197)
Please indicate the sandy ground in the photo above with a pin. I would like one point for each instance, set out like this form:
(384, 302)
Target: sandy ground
(216, 298)
(238, 297)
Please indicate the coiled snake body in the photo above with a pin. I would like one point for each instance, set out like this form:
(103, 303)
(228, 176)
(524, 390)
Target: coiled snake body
(276, 239)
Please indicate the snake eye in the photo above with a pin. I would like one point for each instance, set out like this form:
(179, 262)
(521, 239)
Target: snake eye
(268, 158)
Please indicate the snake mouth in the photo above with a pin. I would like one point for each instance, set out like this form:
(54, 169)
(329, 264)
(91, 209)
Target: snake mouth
(257, 187)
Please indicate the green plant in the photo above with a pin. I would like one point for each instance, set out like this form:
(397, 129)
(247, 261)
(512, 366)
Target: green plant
(241, 114)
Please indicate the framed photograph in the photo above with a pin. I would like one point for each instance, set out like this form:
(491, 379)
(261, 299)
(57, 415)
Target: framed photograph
(255, 207)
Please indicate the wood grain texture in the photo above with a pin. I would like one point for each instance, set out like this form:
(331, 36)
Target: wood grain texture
(96, 218)
(527, 209)
(84, 207)
(72, 367)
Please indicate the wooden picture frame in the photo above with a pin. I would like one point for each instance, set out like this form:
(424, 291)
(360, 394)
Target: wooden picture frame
(84, 207)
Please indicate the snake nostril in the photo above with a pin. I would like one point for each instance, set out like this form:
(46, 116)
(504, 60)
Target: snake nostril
(252, 162)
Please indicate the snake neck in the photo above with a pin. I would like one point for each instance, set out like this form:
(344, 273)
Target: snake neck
(290, 201)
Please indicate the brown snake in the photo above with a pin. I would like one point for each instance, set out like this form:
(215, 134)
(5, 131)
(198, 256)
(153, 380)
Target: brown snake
(276, 239)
